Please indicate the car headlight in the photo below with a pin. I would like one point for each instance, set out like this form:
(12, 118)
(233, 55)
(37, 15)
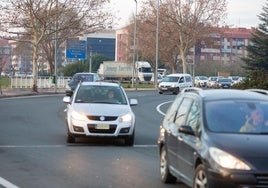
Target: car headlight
(226, 160)
(125, 118)
(162, 132)
(173, 85)
(78, 116)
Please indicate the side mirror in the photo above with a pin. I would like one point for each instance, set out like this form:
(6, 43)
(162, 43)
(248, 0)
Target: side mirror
(133, 102)
(186, 129)
(66, 99)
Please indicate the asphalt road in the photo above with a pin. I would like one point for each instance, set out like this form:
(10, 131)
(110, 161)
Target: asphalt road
(33, 151)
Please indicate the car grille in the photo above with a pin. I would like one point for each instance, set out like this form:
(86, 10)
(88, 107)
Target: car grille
(99, 118)
(111, 130)
(262, 180)
(165, 86)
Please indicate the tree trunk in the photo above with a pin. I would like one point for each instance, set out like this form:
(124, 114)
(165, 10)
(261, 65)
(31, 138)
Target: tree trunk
(35, 70)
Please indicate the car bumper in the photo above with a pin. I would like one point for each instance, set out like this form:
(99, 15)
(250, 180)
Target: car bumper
(238, 180)
(167, 89)
(100, 129)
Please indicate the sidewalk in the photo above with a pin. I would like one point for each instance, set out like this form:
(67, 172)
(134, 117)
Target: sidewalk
(14, 92)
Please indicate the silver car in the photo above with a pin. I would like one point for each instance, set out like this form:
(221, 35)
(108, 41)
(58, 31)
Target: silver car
(100, 109)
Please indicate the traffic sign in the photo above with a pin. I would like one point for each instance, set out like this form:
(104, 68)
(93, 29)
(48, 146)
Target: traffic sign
(76, 49)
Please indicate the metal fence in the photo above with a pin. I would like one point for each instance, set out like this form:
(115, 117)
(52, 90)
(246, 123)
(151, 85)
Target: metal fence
(42, 82)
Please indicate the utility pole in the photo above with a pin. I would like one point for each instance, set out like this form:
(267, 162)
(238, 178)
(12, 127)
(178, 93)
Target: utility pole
(134, 46)
(156, 46)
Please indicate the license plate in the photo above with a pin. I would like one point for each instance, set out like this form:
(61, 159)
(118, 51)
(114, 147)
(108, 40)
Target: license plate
(163, 88)
(102, 126)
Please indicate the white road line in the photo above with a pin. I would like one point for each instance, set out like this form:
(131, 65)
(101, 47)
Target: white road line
(159, 106)
(7, 184)
(145, 146)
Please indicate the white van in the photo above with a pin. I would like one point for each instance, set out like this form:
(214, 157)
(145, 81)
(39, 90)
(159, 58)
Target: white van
(174, 83)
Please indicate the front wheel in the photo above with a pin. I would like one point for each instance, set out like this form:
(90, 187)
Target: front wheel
(69, 137)
(166, 176)
(176, 91)
(129, 141)
(200, 177)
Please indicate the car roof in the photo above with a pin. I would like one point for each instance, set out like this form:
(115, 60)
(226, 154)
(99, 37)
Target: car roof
(101, 84)
(85, 73)
(222, 94)
(178, 74)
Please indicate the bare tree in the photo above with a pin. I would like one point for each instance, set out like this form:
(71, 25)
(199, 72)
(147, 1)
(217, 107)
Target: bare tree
(181, 24)
(38, 20)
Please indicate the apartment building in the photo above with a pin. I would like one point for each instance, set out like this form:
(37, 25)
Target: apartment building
(225, 47)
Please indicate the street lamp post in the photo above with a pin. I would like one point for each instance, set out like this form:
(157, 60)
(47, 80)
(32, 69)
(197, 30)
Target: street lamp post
(134, 46)
(156, 46)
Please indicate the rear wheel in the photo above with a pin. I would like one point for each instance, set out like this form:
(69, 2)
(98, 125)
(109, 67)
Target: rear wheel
(166, 176)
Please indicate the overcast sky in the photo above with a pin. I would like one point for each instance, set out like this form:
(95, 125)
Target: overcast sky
(241, 13)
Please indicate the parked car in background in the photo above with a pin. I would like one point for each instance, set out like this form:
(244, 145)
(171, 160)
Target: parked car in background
(224, 83)
(235, 79)
(174, 83)
(80, 77)
(202, 142)
(201, 81)
(211, 81)
(100, 109)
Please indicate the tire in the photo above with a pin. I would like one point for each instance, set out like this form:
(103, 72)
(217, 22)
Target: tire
(200, 177)
(69, 137)
(165, 174)
(160, 92)
(176, 91)
(129, 141)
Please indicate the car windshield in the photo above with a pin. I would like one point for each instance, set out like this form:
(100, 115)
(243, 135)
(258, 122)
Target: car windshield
(213, 78)
(203, 78)
(237, 116)
(100, 94)
(85, 77)
(171, 79)
(225, 80)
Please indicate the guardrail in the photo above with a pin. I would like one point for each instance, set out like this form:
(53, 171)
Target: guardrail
(42, 82)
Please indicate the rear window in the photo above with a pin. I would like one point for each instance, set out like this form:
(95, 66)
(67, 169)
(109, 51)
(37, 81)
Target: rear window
(84, 77)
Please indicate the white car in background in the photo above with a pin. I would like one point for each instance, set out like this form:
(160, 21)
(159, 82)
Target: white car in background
(174, 83)
(201, 81)
(211, 81)
(93, 112)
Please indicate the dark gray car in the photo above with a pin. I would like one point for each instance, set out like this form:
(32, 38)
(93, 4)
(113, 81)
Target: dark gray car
(215, 138)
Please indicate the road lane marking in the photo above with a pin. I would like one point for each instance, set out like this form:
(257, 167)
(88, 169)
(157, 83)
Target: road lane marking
(7, 184)
(159, 106)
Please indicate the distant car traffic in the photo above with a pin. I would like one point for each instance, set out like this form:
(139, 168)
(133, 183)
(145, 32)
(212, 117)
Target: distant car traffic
(211, 81)
(100, 109)
(215, 138)
(201, 81)
(80, 77)
(223, 83)
(174, 83)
